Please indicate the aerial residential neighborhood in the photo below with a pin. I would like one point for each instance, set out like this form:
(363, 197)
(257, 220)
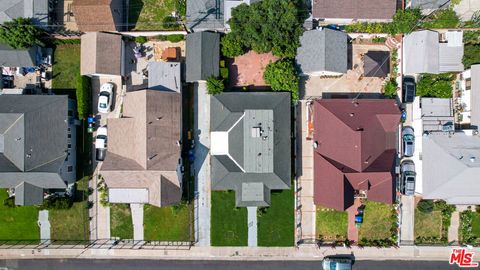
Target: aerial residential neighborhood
(340, 132)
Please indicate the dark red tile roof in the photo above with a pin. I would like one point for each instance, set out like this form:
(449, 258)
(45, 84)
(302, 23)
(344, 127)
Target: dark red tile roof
(354, 9)
(356, 150)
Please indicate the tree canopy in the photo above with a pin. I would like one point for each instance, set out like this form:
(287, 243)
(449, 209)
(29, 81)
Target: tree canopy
(436, 85)
(20, 33)
(282, 76)
(269, 25)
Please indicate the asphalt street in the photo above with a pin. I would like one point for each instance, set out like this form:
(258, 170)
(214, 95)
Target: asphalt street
(86, 264)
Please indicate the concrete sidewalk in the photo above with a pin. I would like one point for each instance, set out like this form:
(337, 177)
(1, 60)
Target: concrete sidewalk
(240, 253)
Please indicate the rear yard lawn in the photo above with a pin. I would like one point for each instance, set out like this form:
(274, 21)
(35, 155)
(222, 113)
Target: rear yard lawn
(170, 223)
(66, 66)
(18, 223)
(150, 14)
(121, 221)
(331, 225)
(72, 224)
(228, 224)
(377, 221)
(428, 225)
(276, 224)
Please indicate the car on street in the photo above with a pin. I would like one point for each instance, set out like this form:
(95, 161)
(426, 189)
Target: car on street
(408, 89)
(408, 178)
(101, 143)
(105, 98)
(408, 139)
(337, 263)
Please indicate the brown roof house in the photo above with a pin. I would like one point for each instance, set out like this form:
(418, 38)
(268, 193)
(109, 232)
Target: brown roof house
(99, 15)
(345, 11)
(143, 163)
(102, 54)
(355, 151)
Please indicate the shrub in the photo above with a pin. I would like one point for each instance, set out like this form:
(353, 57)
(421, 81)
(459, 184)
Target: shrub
(405, 21)
(442, 18)
(9, 202)
(379, 39)
(282, 76)
(83, 93)
(214, 85)
(477, 209)
(471, 55)
(20, 33)
(232, 46)
(436, 85)
(175, 38)
(425, 206)
(160, 37)
(390, 88)
(170, 22)
(57, 203)
(58, 41)
(141, 39)
(181, 6)
(224, 73)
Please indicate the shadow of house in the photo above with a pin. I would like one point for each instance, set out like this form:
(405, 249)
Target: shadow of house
(134, 9)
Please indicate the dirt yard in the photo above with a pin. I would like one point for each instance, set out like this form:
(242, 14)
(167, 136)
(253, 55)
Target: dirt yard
(247, 70)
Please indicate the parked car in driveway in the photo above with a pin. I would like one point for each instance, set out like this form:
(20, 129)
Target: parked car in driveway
(337, 263)
(408, 89)
(408, 139)
(101, 143)
(408, 178)
(105, 98)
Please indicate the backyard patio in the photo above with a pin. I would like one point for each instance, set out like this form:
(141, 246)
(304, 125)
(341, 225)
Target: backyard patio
(248, 69)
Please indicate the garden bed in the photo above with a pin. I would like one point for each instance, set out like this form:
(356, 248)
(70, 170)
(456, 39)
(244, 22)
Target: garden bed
(18, 223)
(66, 66)
(331, 225)
(276, 224)
(379, 227)
(228, 223)
(121, 225)
(469, 231)
(170, 223)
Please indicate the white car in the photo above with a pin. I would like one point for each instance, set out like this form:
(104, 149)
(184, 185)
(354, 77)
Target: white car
(105, 98)
(101, 143)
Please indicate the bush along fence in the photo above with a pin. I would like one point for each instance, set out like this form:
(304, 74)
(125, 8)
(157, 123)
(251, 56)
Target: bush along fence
(466, 233)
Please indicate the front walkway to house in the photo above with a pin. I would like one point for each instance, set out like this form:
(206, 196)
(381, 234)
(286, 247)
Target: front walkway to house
(137, 221)
(44, 225)
(408, 220)
(252, 226)
(453, 228)
(352, 228)
(202, 164)
(304, 193)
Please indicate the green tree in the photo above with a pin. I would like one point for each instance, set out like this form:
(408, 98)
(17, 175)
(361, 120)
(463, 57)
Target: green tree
(232, 46)
(436, 85)
(443, 18)
(471, 55)
(390, 88)
(20, 33)
(282, 76)
(405, 21)
(83, 92)
(215, 85)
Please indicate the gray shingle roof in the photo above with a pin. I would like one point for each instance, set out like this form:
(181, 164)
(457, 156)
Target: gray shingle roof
(34, 130)
(264, 160)
(205, 15)
(376, 64)
(35, 9)
(164, 76)
(451, 165)
(322, 50)
(10, 57)
(202, 56)
(437, 114)
(28, 194)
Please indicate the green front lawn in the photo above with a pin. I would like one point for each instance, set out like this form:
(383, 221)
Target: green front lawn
(276, 224)
(331, 225)
(121, 221)
(476, 225)
(66, 66)
(378, 221)
(428, 225)
(170, 223)
(228, 223)
(150, 14)
(18, 223)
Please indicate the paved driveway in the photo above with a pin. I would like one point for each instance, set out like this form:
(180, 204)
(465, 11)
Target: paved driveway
(408, 220)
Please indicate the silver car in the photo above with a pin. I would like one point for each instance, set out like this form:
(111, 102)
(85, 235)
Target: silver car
(408, 178)
(408, 138)
(336, 263)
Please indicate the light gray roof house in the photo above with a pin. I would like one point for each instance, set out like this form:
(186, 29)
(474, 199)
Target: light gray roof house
(164, 76)
(451, 166)
(33, 144)
(35, 9)
(205, 15)
(10, 57)
(251, 145)
(202, 56)
(427, 51)
(437, 114)
(322, 51)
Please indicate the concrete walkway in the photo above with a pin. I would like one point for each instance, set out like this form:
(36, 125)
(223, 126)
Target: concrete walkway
(307, 209)
(44, 225)
(408, 219)
(137, 221)
(252, 226)
(453, 229)
(202, 164)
